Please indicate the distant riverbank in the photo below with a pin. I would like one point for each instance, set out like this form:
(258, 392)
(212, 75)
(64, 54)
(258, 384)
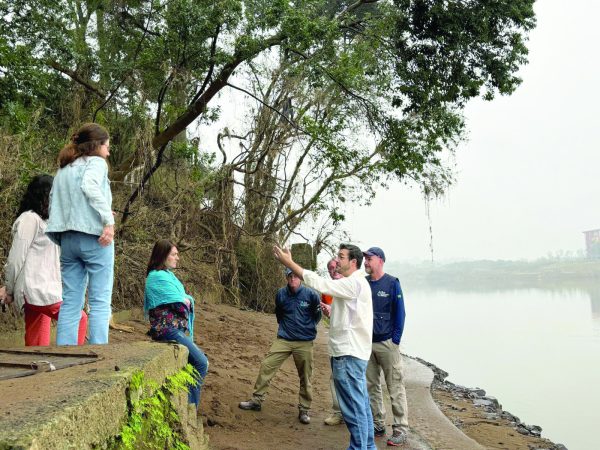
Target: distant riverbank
(500, 274)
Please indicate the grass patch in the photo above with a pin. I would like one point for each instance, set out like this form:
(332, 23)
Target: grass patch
(153, 422)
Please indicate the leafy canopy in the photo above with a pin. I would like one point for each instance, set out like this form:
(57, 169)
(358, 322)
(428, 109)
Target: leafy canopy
(398, 70)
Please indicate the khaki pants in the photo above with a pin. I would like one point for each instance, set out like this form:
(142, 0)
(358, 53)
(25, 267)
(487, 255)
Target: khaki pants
(386, 357)
(302, 351)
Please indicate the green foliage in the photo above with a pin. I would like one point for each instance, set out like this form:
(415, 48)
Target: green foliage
(152, 422)
(374, 93)
(184, 150)
(449, 51)
(260, 276)
(420, 55)
(23, 155)
(15, 116)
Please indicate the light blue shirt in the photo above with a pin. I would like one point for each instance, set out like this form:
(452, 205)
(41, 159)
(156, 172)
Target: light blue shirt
(80, 199)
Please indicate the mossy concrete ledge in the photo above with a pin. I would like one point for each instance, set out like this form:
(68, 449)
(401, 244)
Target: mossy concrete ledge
(86, 406)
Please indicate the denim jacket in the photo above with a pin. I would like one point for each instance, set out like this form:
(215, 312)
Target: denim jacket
(80, 199)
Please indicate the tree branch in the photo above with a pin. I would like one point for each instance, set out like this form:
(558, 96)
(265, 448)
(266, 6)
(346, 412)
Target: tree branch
(275, 110)
(335, 80)
(160, 100)
(354, 6)
(213, 50)
(317, 195)
(288, 192)
(89, 85)
(126, 15)
(138, 190)
(200, 105)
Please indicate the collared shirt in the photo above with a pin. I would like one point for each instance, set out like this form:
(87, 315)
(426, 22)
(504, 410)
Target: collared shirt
(32, 270)
(351, 324)
(298, 313)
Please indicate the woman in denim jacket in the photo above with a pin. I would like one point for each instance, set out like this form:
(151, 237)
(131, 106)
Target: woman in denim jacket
(82, 223)
(171, 310)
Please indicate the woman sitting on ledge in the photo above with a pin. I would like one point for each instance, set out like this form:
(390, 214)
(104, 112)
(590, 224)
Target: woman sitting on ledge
(171, 310)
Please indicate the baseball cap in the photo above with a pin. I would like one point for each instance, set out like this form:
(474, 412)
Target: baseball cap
(288, 271)
(375, 251)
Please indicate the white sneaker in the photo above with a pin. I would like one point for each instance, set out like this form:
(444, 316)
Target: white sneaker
(334, 419)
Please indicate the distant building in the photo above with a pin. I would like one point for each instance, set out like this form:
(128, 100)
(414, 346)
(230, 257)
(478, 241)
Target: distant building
(592, 243)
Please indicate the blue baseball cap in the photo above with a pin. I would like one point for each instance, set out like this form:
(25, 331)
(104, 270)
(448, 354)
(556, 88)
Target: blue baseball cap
(375, 251)
(288, 272)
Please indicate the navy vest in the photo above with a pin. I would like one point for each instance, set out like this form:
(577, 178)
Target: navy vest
(383, 293)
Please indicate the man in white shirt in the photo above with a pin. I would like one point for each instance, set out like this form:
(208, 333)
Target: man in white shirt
(350, 334)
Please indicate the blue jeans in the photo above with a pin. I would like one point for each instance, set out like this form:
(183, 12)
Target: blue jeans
(196, 358)
(350, 380)
(83, 261)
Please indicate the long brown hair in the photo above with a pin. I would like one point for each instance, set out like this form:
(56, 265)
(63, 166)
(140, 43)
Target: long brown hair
(159, 255)
(85, 142)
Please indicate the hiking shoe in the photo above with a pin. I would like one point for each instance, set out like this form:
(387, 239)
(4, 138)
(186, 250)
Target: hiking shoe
(303, 417)
(250, 405)
(379, 432)
(397, 438)
(334, 419)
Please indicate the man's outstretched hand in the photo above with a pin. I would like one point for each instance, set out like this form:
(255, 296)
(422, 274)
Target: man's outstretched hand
(284, 256)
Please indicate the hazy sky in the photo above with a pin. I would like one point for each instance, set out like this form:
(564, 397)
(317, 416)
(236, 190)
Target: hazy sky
(528, 178)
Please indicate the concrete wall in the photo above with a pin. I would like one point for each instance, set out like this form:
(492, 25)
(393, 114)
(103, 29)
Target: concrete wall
(85, 406)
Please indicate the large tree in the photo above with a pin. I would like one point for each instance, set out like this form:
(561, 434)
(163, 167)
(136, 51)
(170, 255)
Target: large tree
(333, 124)
(325, 75)
(406, 64)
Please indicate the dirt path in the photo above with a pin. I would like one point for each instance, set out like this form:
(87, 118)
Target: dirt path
(236, 341)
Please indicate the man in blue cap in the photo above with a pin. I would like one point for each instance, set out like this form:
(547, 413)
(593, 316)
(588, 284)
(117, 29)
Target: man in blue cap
(298, 311)
(388, 324)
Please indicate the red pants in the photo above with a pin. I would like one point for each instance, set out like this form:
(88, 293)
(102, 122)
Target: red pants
(37, 324)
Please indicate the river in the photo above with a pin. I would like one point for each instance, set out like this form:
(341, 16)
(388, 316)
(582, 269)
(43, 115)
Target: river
(536, 350)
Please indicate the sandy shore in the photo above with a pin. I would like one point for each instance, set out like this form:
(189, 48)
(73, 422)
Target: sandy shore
(235, 342)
